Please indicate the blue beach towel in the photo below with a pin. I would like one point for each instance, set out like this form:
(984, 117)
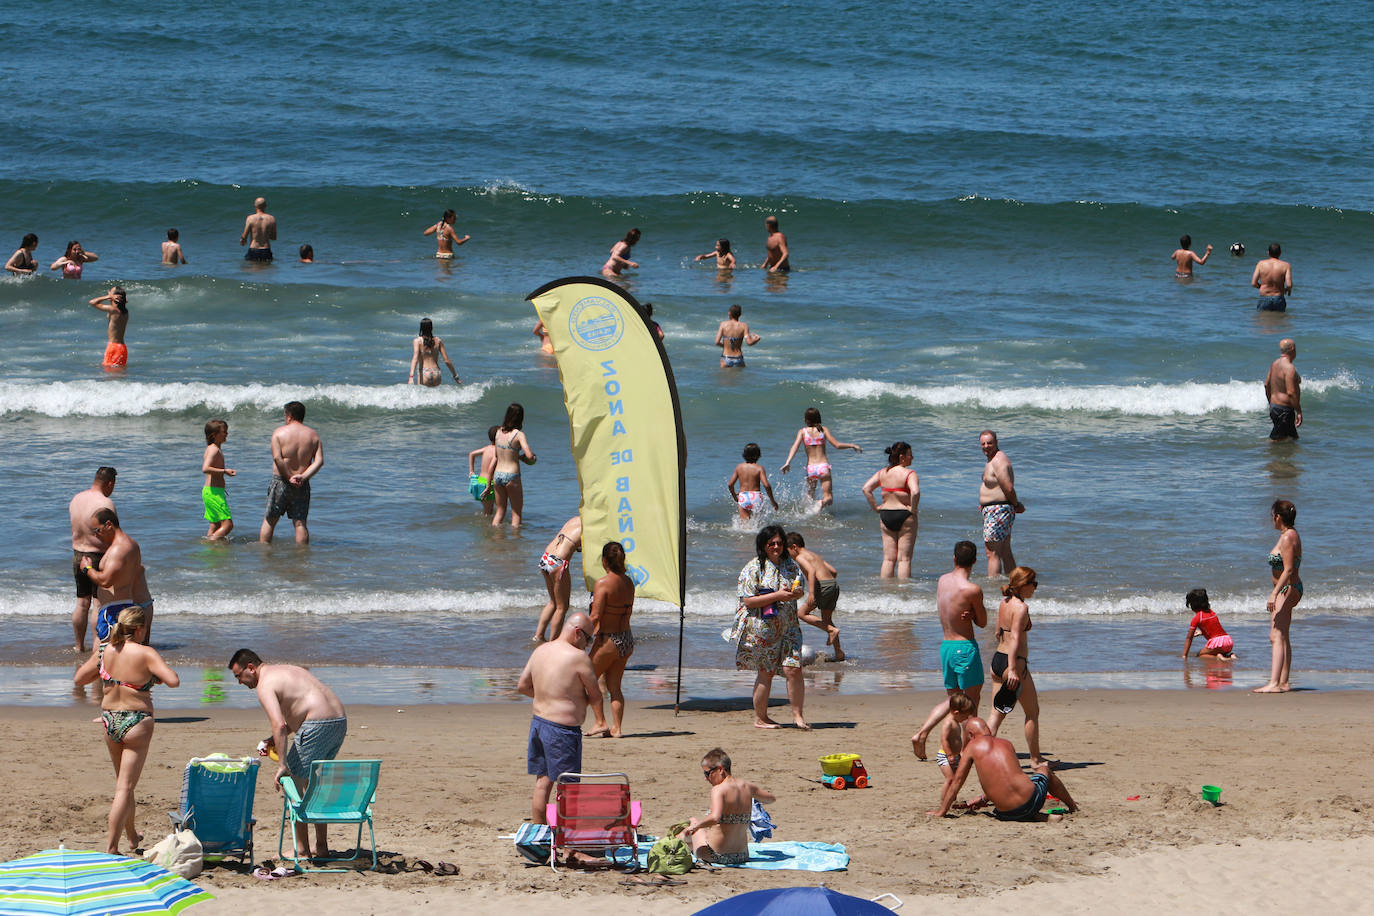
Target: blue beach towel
(785, 855)
(760, 824)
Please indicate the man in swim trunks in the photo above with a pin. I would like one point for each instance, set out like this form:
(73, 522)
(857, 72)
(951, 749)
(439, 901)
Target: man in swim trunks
(558, 577)
(997, 498)
(959, 602)
(296, 703)
(115, 303)
(777, 257)
(1014, 795)
(1274, 280)
(1185, 257)
(730, 337)
(297, 456)
(121, 567)
(822, 593)
(86, 545)
(560, 679)
(261, 228)
(1283, 390)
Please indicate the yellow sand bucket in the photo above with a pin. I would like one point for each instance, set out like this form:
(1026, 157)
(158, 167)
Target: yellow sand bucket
(838, 764)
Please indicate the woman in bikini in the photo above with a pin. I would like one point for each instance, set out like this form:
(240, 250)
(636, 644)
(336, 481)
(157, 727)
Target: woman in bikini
(814, 436)
(613, 601)
(511, 448)
(447, 237)
(620, 255)
(901, 493)
(553, 565)
(73, 261)
(22, 262)
(128, 671)
(1284, 562)
(722, 836)
(1010, 671)
(426, 350)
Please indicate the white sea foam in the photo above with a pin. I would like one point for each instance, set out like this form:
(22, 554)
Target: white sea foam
(133, 399)
(1156, 400)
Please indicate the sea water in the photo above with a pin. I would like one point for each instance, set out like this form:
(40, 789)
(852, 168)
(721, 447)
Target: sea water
(980, 203)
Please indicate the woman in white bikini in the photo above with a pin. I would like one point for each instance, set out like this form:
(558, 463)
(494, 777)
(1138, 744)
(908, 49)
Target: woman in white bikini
(447, 237)
(814, 436)
(426, 351)
(901, 494)
(511, 448)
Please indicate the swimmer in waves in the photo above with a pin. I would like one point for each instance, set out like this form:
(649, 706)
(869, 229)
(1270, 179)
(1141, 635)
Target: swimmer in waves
(426, 351)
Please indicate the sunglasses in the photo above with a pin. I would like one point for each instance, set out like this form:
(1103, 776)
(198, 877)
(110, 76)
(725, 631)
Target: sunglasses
(707, 773)
(585, 634)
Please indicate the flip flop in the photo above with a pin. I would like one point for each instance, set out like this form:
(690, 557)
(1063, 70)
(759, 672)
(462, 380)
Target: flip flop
(422, 865)
(281, 871)
(446, 869)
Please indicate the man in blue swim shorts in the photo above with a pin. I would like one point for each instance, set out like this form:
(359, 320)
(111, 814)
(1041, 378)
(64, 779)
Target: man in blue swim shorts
(959, 603)
(1014, 795)
(560, 678)
(1274, 280)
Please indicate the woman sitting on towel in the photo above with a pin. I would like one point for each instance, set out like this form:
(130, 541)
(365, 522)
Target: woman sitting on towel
(722, 836)
(128, 672)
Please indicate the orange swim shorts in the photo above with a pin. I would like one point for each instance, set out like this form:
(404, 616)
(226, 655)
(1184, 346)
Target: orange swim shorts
(116, 356)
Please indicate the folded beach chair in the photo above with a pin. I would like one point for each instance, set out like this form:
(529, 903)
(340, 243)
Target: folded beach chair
(338, 792)
(593, 812)
(217, 804)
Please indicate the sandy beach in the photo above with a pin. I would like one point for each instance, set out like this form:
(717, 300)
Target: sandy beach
(1293, 826)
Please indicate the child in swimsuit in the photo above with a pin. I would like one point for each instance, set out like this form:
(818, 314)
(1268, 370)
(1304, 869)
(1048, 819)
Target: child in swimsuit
(753, 483)
(725, 260)
(1219, 644)
(814, 436)
(481, 467)
(73, 261)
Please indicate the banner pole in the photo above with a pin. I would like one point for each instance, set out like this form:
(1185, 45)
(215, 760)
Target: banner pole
(681, 625)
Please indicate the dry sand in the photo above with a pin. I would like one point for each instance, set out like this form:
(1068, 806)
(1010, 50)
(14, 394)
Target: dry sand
(1297, 786)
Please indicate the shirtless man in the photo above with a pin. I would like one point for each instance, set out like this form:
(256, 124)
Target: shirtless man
(1185, 257)
(115, 303)
(959, 602)
(120, 570)
(87, 546)
(776, 257)
(297, 704)
(1283, 389)
(997, 497)
(261, 226)
(446, 236)
(557, 578)
(729, 337)
(297, 456)
(822, 591)
(1274, 280)
(722, 836)
(1014, 795)
(559, 677)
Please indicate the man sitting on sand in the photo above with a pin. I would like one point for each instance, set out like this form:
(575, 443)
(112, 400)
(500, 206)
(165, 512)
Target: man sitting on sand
(560, 678)
(1014, 795)
(296, 702)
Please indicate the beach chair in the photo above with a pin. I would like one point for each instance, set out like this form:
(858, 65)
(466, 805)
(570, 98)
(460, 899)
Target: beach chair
(593, 812)
(338, 792)
(217, 804)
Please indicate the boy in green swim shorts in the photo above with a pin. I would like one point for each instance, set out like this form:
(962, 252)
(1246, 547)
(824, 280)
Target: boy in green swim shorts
(213, 494)
(479, 480)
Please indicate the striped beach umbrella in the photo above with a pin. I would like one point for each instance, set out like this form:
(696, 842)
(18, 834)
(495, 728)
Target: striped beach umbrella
(71, 882)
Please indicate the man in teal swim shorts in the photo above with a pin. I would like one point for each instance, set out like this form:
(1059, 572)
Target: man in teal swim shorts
(959, 602)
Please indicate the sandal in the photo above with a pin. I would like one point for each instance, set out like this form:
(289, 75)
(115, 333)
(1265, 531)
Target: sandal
(422, 865)
(446, 869)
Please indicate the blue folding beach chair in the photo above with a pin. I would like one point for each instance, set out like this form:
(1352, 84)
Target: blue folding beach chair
(217, 804)
(338, 792)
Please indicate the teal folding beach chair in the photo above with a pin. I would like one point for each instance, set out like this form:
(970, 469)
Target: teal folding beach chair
(217, 804)
(338, 792)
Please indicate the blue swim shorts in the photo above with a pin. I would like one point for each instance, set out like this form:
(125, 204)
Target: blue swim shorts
(554, 749)
(1272, 304)
(962, 664)
(1040, 788)
(318, 739)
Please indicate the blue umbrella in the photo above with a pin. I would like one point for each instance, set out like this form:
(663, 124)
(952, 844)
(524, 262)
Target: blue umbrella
(795, 901)
(72, 882)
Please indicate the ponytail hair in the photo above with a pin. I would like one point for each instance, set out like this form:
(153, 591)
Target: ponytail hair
(895, 451)
(130, 619)
(1020, 577)
(613, 555)
(1285, 511)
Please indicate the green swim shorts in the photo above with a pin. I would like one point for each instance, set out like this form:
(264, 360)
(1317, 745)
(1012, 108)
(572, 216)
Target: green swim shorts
(216, 500)
(961, 663)
(477, 485)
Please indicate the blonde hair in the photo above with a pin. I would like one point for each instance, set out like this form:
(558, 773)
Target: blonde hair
(1020, 576)
(130, 619)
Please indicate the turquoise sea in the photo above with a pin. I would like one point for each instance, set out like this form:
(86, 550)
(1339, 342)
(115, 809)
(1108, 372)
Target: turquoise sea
(980, 200)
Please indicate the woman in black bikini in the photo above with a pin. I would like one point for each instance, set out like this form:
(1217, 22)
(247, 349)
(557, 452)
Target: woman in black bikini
(1009, 669)
(901, 494)
(613, 600)
(128, 672)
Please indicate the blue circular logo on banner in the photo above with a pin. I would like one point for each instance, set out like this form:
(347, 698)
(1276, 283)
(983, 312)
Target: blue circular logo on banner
(596, 323)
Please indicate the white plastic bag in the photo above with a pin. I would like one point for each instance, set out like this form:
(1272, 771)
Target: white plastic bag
(179, 852)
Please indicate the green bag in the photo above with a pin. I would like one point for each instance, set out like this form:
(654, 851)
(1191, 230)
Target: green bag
(670, 856)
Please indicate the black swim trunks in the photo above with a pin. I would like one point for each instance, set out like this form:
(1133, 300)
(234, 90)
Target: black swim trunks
(1040, 787)
(1006, 697)
(1285, 420)
(258, 254)
(85, 588)
(285, 498)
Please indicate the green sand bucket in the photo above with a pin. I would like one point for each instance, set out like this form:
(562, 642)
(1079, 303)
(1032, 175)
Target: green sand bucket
(1212, 794)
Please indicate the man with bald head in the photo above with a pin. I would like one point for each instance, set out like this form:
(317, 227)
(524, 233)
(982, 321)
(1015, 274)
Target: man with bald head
(560, 678)
(1283, 389)
(1014, 795)
(259, 232)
